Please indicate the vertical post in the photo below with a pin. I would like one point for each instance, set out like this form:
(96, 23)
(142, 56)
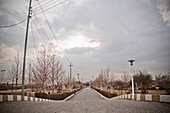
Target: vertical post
(131, 63)
(70, 73)
(136, 88)
(132, 82)
(12, 83)
(78, 79)
(2, 74)
(25, 48)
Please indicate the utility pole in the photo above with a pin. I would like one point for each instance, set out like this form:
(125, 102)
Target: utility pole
(131, 63)
(2, 74)
(70, 72)
(25, 48)
(78, 79)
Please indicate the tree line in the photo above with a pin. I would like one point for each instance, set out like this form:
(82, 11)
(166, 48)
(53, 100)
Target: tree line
(142, 79)
(46, 70)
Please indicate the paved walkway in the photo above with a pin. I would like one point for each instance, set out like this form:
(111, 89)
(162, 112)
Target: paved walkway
(86, 95)
(87, 101)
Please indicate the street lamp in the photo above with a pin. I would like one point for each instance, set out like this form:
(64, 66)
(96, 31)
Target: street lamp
(2, 74)
(131, 63)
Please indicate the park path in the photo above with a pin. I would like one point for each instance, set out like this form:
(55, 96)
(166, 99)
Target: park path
(87, 101)
(86, 95)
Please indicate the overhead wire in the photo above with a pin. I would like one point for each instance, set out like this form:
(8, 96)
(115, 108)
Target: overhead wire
(37, 3)
(33, 38)
(42, 36)
(37, 13)
(38, 30)
(54, 34)
(6, 26)
(45, 4)
(42, 11)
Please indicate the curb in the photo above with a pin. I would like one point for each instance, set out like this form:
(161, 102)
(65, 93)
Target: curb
(7, 98)
(146, 97)
(71, 96)
(113, 98)
(139, 97)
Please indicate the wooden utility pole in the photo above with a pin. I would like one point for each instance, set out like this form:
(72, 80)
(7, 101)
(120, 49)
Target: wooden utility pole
(70, 71)
(25, 47)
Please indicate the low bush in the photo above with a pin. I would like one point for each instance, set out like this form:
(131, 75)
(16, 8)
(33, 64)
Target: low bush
(56, 96)
(60, 96)
(41, 95)
(106, 94)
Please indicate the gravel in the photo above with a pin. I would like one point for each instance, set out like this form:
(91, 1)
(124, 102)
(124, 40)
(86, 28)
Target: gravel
(87, 101)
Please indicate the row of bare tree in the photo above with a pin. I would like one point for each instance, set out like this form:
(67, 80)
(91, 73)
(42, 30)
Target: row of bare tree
(46, 70)
(142, 78)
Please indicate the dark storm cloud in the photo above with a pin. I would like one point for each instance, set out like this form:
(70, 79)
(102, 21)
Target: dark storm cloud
(126, 29)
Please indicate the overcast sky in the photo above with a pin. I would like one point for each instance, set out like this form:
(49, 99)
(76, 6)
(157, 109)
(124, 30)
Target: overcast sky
(95, 34)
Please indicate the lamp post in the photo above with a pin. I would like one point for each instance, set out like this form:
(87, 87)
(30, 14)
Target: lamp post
(131, 63)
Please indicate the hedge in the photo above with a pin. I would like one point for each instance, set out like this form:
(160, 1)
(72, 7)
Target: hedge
(55, 96)
(106, 94)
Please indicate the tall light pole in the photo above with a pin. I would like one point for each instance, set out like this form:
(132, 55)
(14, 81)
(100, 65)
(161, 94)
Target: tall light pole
(25, 47)
(131, 63)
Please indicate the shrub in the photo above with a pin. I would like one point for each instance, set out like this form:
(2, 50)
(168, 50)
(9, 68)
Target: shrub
(60, 96)
(106, 94)
(56, 96)
(41, 95)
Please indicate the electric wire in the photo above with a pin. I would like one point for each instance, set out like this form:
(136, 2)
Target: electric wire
(33, 38)
(42, 11)
(45, 4)
(37, 13)
(40, 25)
(37, 3)
(42, 36)
(54, 34)
(6, 26)
(38, 30)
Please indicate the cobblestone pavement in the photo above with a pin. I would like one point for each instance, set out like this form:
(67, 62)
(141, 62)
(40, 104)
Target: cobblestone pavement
(87, 101)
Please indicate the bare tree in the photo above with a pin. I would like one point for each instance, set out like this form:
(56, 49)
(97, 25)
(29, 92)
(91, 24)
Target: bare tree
(41, 70)
(57, 71)
(15, 71)
(112, 78)
(29, 73)
(143, 78)
(125, 78)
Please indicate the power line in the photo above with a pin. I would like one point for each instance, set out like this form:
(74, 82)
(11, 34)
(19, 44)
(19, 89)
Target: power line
(5, 26)
(38, 30)
(37, 3)
(45, 4)
(33, 38)
(38, 21)
(42, 36)
(54, 34)
(52, 7)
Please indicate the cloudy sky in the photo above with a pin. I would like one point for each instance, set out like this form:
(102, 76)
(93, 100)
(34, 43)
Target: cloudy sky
(94, 34)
